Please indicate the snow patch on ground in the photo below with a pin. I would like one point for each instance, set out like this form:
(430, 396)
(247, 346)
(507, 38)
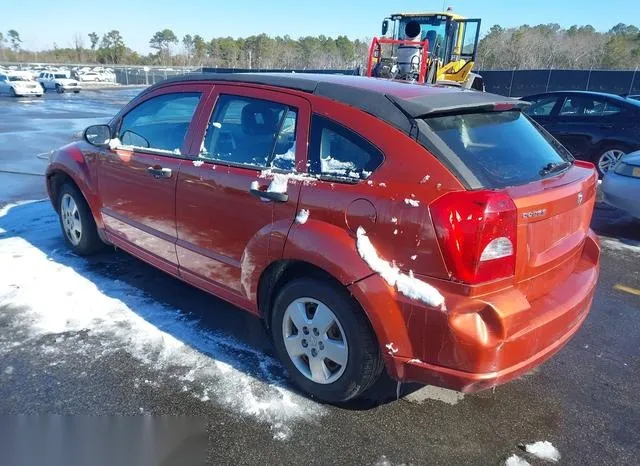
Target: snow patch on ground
(412, 202)
(515, 460)
(543, 450)
(50, 291)
(430, 392)
(405, 284)
(302, 216)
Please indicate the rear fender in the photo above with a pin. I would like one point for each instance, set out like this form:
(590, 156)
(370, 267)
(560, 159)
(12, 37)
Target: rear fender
(333, 249)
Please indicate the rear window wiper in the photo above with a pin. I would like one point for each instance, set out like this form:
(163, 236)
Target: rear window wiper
(554, 167)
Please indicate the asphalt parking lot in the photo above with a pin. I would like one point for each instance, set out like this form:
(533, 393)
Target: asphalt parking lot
(110, 335)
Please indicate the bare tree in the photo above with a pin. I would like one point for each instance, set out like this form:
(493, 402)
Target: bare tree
(78, 45)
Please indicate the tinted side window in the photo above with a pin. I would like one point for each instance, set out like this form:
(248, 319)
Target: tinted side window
(587, 106)
(542, 106)
(338, 151)
(160, 122)
(252, 132)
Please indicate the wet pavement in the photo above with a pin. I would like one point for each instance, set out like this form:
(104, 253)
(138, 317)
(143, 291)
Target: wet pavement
(110, 335)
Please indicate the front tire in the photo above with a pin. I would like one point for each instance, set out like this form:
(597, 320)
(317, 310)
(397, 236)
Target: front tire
(78, 226)
(59, 89)
(324, 340)
(12, 92)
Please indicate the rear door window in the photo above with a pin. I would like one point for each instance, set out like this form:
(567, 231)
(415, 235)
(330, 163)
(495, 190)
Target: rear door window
(338, 152)
(495, 149)
(253, 132)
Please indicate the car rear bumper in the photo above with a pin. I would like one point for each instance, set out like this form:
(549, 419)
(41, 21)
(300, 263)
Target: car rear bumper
(484, 341)
(619, 191)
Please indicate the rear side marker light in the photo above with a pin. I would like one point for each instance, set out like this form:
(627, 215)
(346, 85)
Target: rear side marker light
(476, 231)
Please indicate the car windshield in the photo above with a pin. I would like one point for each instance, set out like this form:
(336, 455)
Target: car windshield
(60, 76)
(500, 149)
(17, 78)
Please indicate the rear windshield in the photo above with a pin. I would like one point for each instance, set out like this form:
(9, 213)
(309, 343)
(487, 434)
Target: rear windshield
(498, 149)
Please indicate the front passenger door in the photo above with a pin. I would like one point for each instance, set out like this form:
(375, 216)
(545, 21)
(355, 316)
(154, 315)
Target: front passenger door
(137, 177)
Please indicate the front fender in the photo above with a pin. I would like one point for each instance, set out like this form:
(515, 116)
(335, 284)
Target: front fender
(79, 164)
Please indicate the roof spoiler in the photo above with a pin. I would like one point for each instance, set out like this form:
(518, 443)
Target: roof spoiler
(449, 103)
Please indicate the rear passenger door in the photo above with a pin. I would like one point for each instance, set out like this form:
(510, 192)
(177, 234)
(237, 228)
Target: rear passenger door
(226, 232)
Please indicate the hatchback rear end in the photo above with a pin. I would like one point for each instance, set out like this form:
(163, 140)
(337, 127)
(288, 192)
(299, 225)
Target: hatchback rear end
(520, 260)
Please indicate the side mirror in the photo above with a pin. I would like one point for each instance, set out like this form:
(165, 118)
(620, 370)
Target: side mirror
(98, 135)
(385, 26)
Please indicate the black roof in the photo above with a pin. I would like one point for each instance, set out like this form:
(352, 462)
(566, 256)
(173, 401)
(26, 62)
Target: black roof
(395, 102)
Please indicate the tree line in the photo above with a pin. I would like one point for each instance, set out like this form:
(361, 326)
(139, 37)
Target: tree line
(526, 47)
(257, 51)
(548, 46)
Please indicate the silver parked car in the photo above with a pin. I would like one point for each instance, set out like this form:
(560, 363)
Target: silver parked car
(621, 186)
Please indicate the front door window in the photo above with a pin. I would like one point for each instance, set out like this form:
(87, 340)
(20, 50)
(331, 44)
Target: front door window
(159, 124)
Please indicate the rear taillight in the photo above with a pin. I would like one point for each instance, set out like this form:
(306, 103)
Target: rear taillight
(476, 231)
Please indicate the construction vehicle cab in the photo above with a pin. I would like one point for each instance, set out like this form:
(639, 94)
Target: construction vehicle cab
(447, 40)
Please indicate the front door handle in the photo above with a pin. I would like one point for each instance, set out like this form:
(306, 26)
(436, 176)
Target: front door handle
(272, 196)
(159, 172)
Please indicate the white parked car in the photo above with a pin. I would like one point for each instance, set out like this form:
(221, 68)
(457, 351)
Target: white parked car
(89, 76)
(59, 82)
(16, 85)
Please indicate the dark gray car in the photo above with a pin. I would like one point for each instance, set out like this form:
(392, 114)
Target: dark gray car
(593, 126)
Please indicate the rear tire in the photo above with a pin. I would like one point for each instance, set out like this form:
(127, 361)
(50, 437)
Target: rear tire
(605, 158)
(333, 328)
(77, 223)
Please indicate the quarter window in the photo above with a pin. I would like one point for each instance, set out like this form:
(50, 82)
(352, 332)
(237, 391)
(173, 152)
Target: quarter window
(249, 131)
(337, 151)
(160, 123)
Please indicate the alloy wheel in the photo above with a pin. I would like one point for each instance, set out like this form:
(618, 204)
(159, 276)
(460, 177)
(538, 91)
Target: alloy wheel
(71, 219)
(609, 159)
(315, 340)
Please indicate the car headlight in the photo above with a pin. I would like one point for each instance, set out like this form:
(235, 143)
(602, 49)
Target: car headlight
(625, 169)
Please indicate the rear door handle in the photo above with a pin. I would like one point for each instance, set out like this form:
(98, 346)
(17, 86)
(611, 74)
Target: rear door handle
(159, 172)
(272, 196)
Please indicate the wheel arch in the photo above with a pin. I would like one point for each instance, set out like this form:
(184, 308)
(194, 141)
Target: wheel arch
(69, 165)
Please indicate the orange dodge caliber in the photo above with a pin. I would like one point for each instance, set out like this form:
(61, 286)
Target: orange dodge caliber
(435, 232)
